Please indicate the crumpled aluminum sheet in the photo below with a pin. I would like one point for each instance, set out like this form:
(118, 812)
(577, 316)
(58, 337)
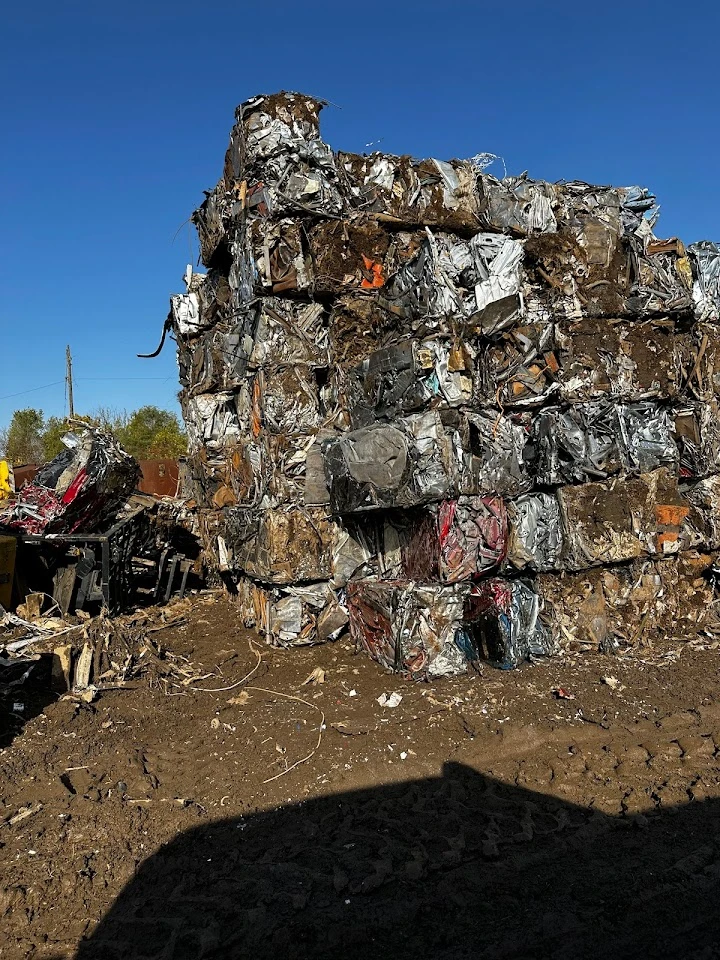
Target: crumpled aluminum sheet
(415, 629)
(583, 268)
(243, 274)
(647, 437)
(706, 286)
(518, 204)
(413, 461)
(282, 546)
(355, 552)
(79, 490)
(450, 279)
(537, 539)
(433, 193)
(504, 625)
(456, 540)
(473, 536)
(410, 376)
(498, 465)
(517, 367)
(216, 420)
(663, 277)
(291, 175)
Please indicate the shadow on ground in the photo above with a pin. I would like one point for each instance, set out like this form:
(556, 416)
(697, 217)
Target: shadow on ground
(458, 866)
(22, 696)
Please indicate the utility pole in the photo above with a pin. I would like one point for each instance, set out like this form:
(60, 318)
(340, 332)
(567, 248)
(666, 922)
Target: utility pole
(68, 380)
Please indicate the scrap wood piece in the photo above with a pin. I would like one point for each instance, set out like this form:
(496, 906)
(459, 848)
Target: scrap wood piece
(22, 814)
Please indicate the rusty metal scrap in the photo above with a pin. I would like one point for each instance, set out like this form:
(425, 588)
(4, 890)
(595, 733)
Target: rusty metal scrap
(416, 394)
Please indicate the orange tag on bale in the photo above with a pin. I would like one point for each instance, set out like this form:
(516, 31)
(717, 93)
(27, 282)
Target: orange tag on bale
(670, 515)
(376, 272)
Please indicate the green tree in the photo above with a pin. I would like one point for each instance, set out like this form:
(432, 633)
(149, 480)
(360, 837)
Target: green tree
(24, 437)
(56, 427)
(153, 434)
(52, 443)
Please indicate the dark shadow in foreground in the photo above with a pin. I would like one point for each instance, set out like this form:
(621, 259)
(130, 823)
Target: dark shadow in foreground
(458, 866)
(24, 693)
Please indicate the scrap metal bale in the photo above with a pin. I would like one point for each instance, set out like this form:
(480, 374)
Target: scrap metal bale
(451, 280)
(703, 522)
(415, 629)
(518, 205)
(275, 148)
(432, 193)
(706, 285)
(285, 400)
(616, 521)
(600, 438)
(456, 540)
(517, 367)
(472, 537)
(280, 546)
(410, 462)
(409, 376)
(661, 275)
(294, 616)
(631, 361)
(285, 332)
(537, 537)
(632, 604)
(503, 623)
(497, 446)
(215, 421)
(696, 430)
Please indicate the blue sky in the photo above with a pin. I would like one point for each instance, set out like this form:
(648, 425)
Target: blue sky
(115, 118)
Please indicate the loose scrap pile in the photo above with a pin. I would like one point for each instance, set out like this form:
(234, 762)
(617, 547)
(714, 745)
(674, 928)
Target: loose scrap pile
(471, 418)
(78, 490)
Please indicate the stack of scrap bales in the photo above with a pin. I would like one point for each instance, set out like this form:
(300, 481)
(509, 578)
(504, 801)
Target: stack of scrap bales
(467, 418)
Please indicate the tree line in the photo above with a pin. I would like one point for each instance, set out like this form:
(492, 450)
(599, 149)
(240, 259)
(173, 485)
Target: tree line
(147, 434)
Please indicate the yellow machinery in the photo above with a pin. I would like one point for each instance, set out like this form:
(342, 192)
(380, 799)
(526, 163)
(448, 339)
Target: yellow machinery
(7, 481)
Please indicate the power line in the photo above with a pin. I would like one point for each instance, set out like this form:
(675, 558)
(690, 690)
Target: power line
(121, 378)
(21, 393)
(55, 383)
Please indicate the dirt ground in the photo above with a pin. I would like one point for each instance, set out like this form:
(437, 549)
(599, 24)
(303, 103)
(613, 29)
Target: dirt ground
(485, 816)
